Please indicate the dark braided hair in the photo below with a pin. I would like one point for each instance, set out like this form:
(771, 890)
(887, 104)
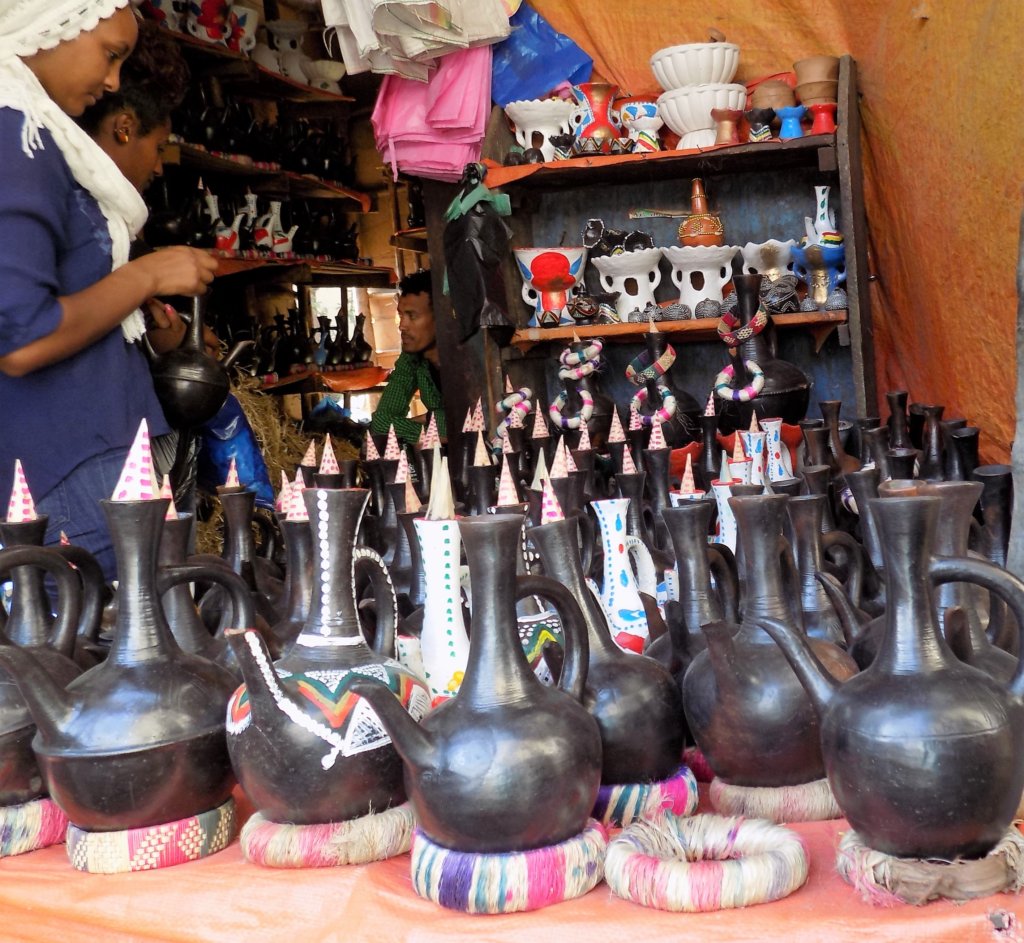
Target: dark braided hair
(154, 80)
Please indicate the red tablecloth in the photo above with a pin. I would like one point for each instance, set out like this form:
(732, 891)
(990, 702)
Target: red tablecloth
(226, 900)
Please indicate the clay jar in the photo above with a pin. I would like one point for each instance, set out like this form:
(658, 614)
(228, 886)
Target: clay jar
(509, 764)
(150, 715)
(305, 746)
(745, 707)
(924, 753)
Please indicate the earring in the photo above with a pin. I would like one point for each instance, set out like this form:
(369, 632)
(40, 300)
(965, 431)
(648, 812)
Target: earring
(121, 135)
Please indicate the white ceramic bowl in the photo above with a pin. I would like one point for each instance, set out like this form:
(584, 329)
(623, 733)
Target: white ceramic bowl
(695, 64)
(687, 111)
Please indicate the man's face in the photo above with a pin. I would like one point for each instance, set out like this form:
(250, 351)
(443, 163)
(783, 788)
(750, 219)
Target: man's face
(416, 323)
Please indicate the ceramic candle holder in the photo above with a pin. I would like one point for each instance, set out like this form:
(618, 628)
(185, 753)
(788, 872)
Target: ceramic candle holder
(700, 273)
(550, 276)
(538, 120)
(771, 257)
(208, 21)
(791, 117)
(242, 23)
(634, 275)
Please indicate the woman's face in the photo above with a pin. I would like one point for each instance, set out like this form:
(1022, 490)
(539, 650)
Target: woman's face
(77, 73)
(141, 158)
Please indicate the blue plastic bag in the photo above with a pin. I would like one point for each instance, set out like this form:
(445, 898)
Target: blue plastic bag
(534, 59)
(229, 436)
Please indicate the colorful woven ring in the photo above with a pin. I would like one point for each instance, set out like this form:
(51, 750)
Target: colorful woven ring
(571, 422)
(664, 863)
(372, 837)
(744, 395)
(30, 826)
(625, 803)
(573, 358)
(733, 336)
(804, 802)
(152, 846)
(885, 881)
(663, 413)
(507, 883)
(640, 370)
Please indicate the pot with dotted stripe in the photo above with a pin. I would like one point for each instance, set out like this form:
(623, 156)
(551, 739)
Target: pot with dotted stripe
(305, 747)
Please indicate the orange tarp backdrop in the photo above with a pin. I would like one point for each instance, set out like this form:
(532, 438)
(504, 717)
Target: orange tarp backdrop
(941, 107)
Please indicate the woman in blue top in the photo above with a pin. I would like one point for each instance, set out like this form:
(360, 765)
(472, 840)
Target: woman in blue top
(74, 383)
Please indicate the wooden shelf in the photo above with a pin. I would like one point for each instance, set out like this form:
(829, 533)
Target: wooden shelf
(691, 331)
(414, 240)
(818, 151)
(356, 380)
(262, 179)
(309, 271)
(248, 78)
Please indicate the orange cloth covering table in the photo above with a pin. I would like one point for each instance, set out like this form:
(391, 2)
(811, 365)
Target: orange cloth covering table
(223, 899)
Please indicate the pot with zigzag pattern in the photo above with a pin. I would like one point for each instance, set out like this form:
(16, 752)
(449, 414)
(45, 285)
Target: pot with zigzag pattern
(305, 747)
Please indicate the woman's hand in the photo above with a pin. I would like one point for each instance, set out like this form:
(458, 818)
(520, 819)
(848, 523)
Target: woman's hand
(178, 270)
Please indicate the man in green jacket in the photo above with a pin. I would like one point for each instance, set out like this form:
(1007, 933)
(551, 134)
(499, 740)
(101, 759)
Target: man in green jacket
(417, 367)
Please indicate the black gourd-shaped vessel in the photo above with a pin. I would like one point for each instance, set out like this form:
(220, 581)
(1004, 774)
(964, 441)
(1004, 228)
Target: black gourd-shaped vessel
(925, 754)
(150, 715)
(306, 747)
(509, 764)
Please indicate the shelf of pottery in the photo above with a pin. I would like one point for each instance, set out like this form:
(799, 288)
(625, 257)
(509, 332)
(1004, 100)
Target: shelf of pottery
(628, 212)
(259, 174)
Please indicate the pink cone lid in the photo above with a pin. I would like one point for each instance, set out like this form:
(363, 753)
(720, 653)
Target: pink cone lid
(372, 455)
(478, 416)
(441, 503)
(166, 492)
(481, 457)
(754, 427)
(616, 433)
(309, 459)
(739, 454)
(634, 419)
(296, 510)
(65, 540)
(232, 479)
(628, 465)
(687, 485)
(515, 418)
(550, 509)
(21, 508)
(508, 385)
(412, 500)
(657, 440)
(402, 472)
(421, 439)
(391, 449)
(138, 480)
(709, 410)
(467, 423)
(431, 437)
(540, 427)
(281, 504)
(506, 442)
(570, 462)
(507, 493)
(559, 466)
(584, 445)
(329, 461)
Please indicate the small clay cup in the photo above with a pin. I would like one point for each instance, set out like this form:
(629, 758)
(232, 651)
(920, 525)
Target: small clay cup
(773, 93)
(818, 93)
(817, 69)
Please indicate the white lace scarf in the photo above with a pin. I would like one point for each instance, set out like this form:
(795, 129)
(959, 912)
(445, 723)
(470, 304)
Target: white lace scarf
(120, 203)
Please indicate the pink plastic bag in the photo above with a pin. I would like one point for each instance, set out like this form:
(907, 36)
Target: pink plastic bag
(434, 129)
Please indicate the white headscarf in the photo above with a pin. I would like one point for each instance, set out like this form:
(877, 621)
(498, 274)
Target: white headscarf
(27, 27)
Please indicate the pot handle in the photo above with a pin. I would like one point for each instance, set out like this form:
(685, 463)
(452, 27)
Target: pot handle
(243, 611)
(646, 574)
(723, 568)
(854, 584)
(93, 586)
(69, 590)
(368, 564)
(587, 538)
(573, 677)
(995, 579)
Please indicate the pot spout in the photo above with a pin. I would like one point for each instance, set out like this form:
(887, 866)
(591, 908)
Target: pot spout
(46, 700)
(819, 684)
(411, 741)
